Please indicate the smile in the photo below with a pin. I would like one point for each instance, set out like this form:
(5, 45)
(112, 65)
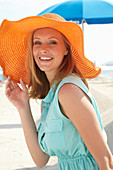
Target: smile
(45, 58)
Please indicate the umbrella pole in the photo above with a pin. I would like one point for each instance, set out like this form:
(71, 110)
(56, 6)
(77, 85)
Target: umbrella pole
(83, 21)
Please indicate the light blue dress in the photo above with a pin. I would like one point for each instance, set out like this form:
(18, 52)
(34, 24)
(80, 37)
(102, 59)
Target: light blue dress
(58, 136)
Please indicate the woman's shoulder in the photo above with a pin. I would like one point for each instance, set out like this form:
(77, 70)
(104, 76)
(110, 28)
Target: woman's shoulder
(69, 91)
(71, 81)
(72, 87)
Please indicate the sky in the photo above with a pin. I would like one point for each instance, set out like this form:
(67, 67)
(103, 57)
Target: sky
(98, 39)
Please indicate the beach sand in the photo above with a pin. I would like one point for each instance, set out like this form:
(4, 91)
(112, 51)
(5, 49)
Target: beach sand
(14, 154)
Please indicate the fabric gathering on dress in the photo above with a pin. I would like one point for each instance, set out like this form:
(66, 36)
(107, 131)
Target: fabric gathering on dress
(58, 136)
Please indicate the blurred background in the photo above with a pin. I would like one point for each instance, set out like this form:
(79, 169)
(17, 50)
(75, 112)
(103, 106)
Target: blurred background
(98, 38)
(98, 46)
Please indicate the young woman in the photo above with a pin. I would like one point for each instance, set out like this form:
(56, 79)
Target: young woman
(70, 125)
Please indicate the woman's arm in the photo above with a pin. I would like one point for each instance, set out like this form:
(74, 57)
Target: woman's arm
(79, 110)
(18, 97)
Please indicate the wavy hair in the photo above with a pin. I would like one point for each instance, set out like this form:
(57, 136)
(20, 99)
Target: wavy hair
(39, 84)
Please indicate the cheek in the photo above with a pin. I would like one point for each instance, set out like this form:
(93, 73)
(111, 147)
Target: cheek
(34, 51)
(60, 54)
(35, 54)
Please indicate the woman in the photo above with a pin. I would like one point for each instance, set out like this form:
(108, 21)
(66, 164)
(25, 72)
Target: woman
(70, 125)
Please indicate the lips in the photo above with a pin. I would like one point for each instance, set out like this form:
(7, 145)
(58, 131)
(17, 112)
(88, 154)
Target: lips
(43, 58)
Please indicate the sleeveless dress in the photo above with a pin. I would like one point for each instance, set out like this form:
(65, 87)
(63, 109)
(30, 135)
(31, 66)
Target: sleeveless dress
(57, 135)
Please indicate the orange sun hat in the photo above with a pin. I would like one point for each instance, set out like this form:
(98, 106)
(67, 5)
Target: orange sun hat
(14, 52)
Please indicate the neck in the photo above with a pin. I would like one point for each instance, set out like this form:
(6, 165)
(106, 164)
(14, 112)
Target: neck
(50, 77)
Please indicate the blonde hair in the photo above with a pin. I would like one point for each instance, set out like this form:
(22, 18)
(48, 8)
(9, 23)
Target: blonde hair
(39, 84)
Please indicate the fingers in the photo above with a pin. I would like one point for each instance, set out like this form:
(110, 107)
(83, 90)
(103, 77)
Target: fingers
(10, 83)
(7, 92)
(23, 85)
(9, 86)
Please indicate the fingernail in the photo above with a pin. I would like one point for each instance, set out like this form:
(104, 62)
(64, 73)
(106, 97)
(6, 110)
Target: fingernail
(9, 77)
(21, 80)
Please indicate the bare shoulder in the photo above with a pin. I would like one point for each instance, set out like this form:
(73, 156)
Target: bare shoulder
(73, 101)
(69, 92)
(79, 110)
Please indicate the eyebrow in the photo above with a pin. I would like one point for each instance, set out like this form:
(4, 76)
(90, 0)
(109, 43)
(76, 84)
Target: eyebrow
(48, 38)
(53, 37)
(36, 38)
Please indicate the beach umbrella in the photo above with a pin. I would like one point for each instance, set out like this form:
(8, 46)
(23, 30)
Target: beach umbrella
(81, 11)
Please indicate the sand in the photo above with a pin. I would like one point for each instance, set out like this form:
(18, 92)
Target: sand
(14, 154)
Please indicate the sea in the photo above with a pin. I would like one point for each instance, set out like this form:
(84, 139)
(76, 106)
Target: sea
(107, 71)
(1, 74)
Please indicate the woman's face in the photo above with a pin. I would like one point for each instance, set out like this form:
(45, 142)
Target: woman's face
(48, 49)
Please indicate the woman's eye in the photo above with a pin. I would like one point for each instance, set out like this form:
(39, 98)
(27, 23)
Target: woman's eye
(37, 43)
(53, 42)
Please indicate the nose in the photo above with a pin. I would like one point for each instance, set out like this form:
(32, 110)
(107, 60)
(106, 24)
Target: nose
(44, 49)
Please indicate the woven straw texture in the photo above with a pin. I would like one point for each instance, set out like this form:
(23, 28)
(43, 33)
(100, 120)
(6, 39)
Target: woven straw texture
(14, 53)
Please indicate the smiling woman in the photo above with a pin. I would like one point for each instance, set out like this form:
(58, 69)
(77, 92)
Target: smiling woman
(48, 50)
(46, 53)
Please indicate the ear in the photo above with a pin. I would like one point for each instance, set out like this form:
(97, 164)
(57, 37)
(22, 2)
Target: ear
(66, 52)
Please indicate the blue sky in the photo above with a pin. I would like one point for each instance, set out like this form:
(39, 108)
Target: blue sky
(98, 38)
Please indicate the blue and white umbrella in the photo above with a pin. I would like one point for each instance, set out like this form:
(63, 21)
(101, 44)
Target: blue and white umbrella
(80, 11)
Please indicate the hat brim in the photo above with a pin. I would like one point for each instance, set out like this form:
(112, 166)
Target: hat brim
(14, 46)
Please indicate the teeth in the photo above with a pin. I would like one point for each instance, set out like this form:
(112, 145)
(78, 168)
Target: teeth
(45, 58)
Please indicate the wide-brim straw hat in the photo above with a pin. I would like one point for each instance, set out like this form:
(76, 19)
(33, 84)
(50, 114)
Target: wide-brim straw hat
(14, 52)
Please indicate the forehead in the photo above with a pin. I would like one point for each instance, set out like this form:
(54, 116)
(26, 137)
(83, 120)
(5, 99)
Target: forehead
(46, 31)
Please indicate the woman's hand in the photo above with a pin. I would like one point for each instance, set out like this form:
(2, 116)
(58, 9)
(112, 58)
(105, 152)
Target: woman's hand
(19, 98)
(16, 95)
